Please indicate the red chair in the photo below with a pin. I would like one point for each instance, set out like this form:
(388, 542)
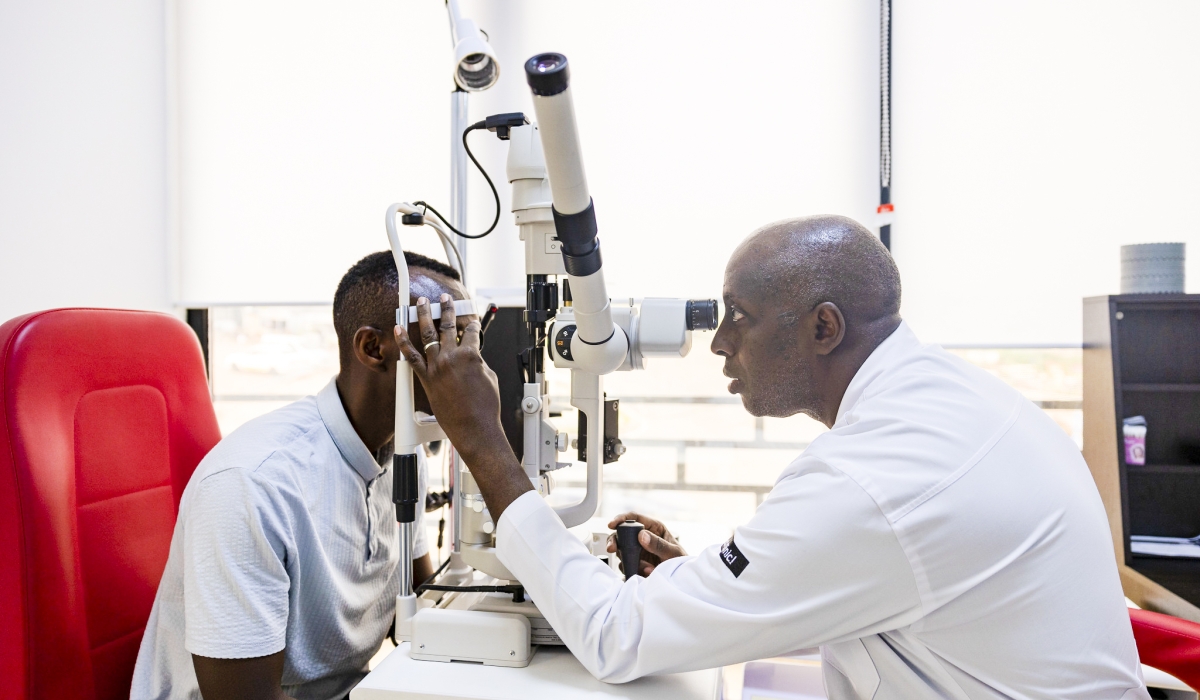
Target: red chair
(103, 417)
(1168, 644)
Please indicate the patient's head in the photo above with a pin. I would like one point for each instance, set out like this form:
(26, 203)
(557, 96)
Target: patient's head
(364, 313)
(807, 300)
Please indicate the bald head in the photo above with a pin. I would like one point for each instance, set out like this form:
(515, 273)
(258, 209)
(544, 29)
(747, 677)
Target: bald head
(806, 261)
(807, 301)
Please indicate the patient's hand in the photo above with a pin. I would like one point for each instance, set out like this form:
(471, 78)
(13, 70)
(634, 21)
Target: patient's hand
(658, 545)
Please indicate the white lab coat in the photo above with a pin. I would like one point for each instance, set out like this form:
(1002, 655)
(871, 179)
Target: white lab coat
(944, 539)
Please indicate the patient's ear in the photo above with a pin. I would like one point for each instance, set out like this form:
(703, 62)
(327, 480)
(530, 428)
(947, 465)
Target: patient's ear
(369, 349)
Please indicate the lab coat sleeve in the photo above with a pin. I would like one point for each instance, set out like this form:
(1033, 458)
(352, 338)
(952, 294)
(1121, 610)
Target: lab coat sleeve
(821, 565)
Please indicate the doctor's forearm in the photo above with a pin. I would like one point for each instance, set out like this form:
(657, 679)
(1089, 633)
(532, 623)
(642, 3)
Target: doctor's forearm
(496, 469)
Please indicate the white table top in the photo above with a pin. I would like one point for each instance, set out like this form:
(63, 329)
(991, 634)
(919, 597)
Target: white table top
(553, 673)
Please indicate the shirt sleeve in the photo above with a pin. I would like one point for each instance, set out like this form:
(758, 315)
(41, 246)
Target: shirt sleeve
(818, 563)
(236, 584)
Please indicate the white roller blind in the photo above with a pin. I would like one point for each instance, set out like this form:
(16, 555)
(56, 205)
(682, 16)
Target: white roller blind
(701, 121)
(1032, 139)
(299, 123)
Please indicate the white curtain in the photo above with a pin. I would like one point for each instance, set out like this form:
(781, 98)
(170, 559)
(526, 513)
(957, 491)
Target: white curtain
(301, 122)
(1031, 139)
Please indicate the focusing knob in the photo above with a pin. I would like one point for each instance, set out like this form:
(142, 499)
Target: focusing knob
(562, 342)
(702, 315)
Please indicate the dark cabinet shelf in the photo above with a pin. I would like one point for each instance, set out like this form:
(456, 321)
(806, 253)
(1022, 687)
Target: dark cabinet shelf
(1141, 357)
(1184, 469)
(1160, 387)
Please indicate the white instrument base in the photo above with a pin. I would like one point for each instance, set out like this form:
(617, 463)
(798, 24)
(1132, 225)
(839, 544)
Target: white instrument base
(554, 673)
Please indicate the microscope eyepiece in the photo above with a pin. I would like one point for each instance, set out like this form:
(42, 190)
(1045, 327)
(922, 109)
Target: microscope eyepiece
(702, 315)
(547, 74)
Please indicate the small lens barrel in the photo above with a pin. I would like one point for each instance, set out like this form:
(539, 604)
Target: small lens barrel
(701, 315)
(477, 71)
(547, 74)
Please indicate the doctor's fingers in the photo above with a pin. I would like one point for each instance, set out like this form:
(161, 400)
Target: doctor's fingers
(650, 524)
(410, 353)
(471, 335)
(654, 545)
(429, 332)
(448, 328)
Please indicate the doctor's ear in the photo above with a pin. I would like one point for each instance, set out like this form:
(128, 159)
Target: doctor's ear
(370, 348)
(829, 327)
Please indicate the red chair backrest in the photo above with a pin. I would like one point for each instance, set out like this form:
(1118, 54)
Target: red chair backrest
(1168, 644)
(103, 417)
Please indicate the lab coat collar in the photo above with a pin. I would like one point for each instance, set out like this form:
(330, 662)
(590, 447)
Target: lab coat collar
(354, 451)
(887, 355)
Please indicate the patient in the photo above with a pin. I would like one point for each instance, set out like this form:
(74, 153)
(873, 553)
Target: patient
(282, 575)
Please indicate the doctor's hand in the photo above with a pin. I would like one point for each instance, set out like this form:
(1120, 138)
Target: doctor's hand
(658, 545)
(465, 398)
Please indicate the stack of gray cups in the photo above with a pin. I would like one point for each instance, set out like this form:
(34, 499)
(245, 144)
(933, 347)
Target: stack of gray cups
(1152, 268)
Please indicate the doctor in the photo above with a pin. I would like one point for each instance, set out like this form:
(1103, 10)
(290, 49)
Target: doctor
(943, 539)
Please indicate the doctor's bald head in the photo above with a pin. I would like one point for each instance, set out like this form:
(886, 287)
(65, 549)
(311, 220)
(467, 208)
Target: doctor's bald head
(806, 301)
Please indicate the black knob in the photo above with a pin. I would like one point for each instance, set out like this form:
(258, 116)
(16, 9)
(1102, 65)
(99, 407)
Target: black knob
(629, 547)
(702, 315)
(404, 487)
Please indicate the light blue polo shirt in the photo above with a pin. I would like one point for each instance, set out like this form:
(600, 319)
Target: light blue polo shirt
(286, 538)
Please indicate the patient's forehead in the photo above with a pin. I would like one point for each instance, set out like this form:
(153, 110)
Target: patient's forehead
(432, 286)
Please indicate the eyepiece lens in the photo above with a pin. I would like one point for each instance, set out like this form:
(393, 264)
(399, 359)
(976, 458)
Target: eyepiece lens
(547, 63)
(702, 315)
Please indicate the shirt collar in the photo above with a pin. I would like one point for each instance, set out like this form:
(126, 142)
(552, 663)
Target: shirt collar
(354, 451)
(901, 342)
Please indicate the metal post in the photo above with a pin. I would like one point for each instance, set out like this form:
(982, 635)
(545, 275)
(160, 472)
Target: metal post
(405, 497)
(456, 466)
(885, 119)
(459, 120)
(405, 564)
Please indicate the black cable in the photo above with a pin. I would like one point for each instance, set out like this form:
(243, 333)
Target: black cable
(495, 194)
(440, 569)
(392, 631)
(516, 591)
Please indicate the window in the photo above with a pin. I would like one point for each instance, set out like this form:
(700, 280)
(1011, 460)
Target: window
(695, 458)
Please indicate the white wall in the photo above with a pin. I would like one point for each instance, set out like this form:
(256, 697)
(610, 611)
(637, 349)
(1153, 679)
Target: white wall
(82, 155)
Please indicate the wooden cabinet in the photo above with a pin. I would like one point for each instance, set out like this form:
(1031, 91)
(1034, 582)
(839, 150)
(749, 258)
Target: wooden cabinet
(1141, 356)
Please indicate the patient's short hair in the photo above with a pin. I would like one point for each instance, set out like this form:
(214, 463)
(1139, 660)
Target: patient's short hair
(368, 294)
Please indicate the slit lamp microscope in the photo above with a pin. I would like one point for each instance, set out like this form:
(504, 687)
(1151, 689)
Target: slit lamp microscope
(474, 610)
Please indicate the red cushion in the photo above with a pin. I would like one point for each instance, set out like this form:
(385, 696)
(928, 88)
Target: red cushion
(1168, 644)
(103, 417)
